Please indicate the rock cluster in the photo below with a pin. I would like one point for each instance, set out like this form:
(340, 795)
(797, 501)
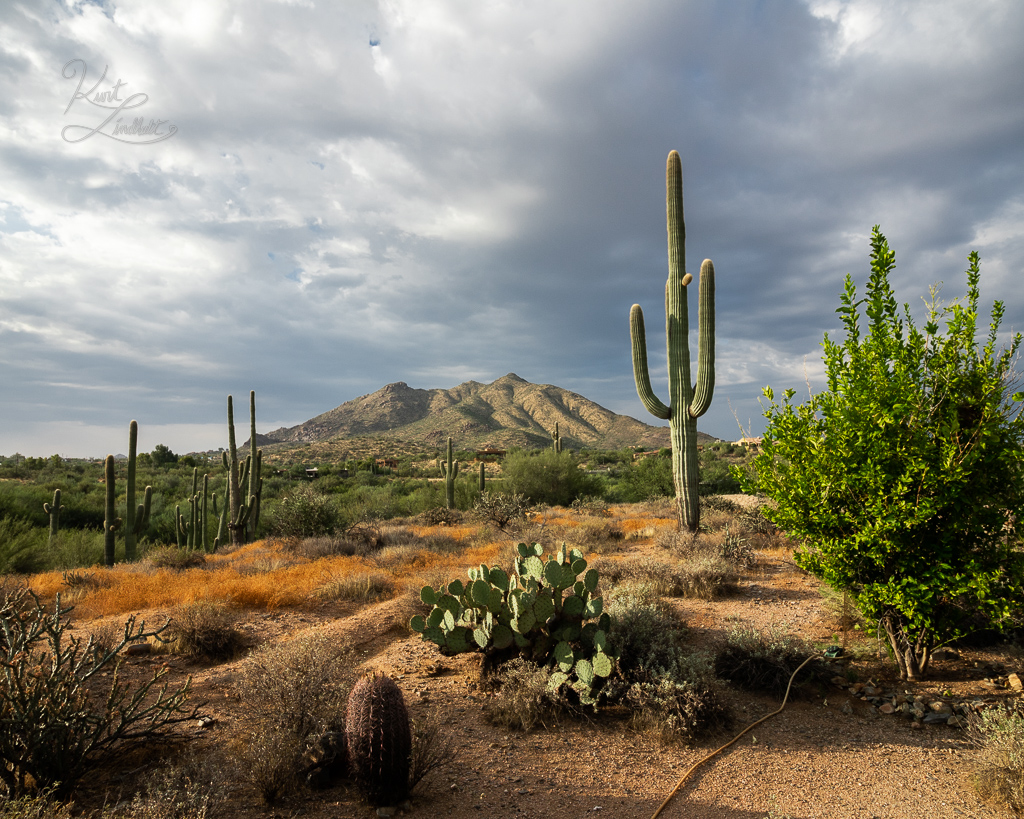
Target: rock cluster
(922, 709)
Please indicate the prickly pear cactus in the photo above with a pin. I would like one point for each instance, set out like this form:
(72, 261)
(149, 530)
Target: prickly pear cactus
(546, 611)
(379, 740)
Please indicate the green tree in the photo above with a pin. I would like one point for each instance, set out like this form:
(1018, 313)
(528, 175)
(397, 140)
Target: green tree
(548, 477)
(902, 478)
(648, 478)
(162, 455)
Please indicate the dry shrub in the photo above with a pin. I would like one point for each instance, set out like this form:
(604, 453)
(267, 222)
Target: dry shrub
(443, 544)
(43, 805)
(522, 700)
(706, 576)
(364, 587)
(203, 629)
(763, 660)
(669, 690)
(187, 789)
(171, 557)
(315, 548)
(645, 569)
(300, 686)
(391, 557)
(734, 548)
(433, 747)
(998, 736)
(296, 694)
(265, 565)
(597, 536)
(715, 519)
(710, 504)
(271, 761)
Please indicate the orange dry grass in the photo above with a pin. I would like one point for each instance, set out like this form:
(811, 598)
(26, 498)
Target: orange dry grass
(630, 525)
(458, 532)
(230, 579)
(557, 519)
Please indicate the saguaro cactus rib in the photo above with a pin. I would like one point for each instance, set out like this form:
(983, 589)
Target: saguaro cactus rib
(687, 400)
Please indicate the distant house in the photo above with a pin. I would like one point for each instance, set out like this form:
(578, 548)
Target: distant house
(753, 444)
(387, 463)
(312, 473)
(490, 454)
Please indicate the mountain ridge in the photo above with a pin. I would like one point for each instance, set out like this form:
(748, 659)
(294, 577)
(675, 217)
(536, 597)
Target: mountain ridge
(509, 412)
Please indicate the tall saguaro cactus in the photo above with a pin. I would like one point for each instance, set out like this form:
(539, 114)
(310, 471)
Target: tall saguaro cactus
(688, 400)
(449, 468)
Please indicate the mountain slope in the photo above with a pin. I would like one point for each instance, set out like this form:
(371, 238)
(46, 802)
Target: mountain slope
(509, 412)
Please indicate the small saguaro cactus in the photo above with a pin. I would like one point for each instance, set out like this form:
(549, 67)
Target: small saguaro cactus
(138, 516)
(483, 478)
(379, 740)
(556, 439)
(54, 510)
(240, 511)
(687, 400)
(111, 523)
(449, 468)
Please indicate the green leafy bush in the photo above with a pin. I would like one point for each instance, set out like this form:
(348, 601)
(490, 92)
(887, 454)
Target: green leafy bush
(900, 477)
(554, 478)
(305, 512)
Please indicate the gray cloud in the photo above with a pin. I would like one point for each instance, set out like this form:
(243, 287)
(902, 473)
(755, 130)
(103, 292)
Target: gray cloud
(432, 192)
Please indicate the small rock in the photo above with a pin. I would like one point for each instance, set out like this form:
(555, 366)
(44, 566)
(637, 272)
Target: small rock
(387, 811)
(1015, 683)
(138, 649)
(887, 708)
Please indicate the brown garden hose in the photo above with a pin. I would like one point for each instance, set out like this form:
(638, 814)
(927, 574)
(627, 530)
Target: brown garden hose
(686, 775)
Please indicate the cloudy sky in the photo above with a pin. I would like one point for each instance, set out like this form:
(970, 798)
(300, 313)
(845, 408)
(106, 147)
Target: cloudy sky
(315, 199)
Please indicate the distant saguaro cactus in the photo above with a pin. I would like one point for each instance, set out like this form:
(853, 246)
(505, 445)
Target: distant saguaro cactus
(687, 400)
(138, 517)
(53, 510)
(111, 523)
(556, 439)
(449, 468)
(379, 740)
(240, 509)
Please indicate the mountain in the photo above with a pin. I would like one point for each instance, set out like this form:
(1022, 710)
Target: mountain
(509, 412)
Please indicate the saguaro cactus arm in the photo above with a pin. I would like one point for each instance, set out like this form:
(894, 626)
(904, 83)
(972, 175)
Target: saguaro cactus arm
(641, 375)
(705, 385)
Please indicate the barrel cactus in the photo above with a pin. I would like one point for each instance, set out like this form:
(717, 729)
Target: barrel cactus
(379, 740)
